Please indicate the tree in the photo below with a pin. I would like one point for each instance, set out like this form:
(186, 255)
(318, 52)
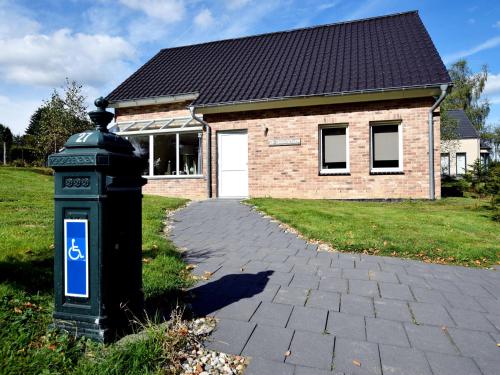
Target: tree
(5, 141)
(59, 117)
(466, 95)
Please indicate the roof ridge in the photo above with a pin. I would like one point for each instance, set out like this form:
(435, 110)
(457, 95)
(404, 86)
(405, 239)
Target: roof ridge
(297, 29)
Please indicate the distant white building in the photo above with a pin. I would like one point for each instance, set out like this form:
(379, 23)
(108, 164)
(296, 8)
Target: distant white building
(458, 155)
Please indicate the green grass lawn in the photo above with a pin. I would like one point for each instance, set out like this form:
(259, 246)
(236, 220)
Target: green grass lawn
(452, 230)
(26, 253)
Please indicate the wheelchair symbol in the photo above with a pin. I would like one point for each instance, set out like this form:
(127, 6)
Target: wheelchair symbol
(74, 251)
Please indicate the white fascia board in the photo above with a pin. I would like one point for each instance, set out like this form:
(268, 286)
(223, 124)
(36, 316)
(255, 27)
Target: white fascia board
(153, 101)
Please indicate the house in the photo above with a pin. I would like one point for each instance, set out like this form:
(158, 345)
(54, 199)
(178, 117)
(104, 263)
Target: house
(457, 155)
(342, 111)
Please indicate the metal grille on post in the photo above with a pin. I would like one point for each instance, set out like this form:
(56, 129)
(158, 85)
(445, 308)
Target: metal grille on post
(98, 206)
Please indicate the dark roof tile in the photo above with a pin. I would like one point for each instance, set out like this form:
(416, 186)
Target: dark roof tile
(378, 53)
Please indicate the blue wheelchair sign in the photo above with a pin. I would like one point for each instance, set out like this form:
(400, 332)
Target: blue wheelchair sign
(76, 264)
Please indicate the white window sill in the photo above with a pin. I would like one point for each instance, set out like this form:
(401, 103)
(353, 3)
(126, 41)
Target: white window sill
(174, 177)
(334, 171)
(386, 170)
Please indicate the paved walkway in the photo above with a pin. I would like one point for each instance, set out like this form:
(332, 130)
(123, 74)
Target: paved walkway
(298, 311)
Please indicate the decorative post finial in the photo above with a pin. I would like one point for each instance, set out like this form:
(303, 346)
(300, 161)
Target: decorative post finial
(100, 117)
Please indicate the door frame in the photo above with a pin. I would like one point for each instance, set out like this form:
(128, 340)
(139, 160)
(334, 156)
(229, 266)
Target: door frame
(218, 174)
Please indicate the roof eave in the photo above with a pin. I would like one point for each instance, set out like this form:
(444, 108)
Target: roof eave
(328, 98)
(140, 102)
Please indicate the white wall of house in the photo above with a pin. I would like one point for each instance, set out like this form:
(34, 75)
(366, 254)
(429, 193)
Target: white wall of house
(457, 150)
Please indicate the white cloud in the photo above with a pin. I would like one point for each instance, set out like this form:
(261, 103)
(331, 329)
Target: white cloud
(492, 85)
(494, 100)
(16, 113)
(169, 11)
(46, 60)
(14, 23)
(497, 25)
(488, 44)
(236, 4)
(204, 19)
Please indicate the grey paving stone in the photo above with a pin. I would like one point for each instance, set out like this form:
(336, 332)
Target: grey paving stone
(291, 296)
(470, 320)
(230, 336)
(280, 278)
(343, 263)
(305, 281)
(444, 286)
(392, 310)
(364, 288)
(307, 319)
(349, 352)
(472, 289)
(490, 304)
(488, 366)
(462, 301)
(333, 284)
(269, 343)
(325, 273)
(384, 331)
(426, 313)
(346, 326)
(428, 295)
(323, 300)
(239, 310)
(320, 261)
(407, 361)
(413, 280)
(445, 364)
(267, 294)
(311, 349)
(272, 314)
(275, 258)
(367, 265)
(261, 366)
(389, 277)
(305, 268)
(395, 291)
(474, 343)
(354, 274)
(430, 338)
(301, 370)
(357, 305)
(280, 267)
(494, 319)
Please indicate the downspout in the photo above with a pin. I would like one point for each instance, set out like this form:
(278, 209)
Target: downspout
(192, 111)
(444, 92)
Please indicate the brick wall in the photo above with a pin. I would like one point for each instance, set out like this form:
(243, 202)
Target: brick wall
(292, 171)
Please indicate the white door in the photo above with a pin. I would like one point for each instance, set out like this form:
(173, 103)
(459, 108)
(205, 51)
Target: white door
(233, 164)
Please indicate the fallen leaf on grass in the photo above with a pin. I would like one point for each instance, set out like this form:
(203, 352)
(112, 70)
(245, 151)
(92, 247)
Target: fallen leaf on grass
(190, 267)
(52, 347)
(17, 310)
(356, 363)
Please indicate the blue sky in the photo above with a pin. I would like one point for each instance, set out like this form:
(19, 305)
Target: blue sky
(101, 42)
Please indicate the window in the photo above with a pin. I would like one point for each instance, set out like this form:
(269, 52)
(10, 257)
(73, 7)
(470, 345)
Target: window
(461, 163)
(170, 154)
(386, 148)
(141, 146)
(334, 149)
(485, 159)
(445, 164)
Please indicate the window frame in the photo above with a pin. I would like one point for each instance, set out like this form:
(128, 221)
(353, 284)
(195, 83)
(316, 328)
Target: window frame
(456, 163)
(400, 167)
(334, 171)
(449, 163)
(151, 174)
